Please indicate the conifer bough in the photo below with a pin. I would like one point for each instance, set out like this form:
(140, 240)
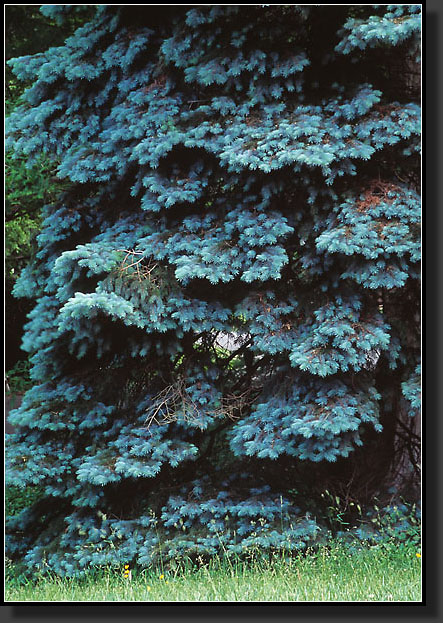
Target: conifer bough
(227, 294)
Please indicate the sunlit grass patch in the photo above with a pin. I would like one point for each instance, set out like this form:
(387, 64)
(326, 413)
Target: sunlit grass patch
(388, 573)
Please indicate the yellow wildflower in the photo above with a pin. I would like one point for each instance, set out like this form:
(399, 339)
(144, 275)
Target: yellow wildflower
(127, 574)
(418, 555)
(162, 577)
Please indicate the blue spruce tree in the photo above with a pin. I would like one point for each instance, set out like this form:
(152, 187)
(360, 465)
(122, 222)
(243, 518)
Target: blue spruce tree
(227, 296)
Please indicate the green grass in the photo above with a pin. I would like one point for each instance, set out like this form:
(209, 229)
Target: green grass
(389, 573)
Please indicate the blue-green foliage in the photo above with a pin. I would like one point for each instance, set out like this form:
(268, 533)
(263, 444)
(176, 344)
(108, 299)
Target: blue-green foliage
(307, 419)
(258, 518)
(379, 226)
(226, 281)
(397, 522)
(399, 23)
(411, 389)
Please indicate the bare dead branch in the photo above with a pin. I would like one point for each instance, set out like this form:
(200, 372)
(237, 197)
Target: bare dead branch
(174, 403)
(141, 270)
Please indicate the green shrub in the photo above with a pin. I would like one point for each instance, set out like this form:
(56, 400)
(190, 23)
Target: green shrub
(17, 498)
(18, 378)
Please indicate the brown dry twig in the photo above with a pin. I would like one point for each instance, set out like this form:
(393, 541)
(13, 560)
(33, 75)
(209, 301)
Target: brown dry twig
(141, 270)
(174, 403)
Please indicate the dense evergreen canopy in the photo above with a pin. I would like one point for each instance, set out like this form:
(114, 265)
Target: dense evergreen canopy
(228, 293)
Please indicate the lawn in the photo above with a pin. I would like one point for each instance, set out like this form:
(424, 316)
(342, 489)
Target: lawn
(382, 573)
